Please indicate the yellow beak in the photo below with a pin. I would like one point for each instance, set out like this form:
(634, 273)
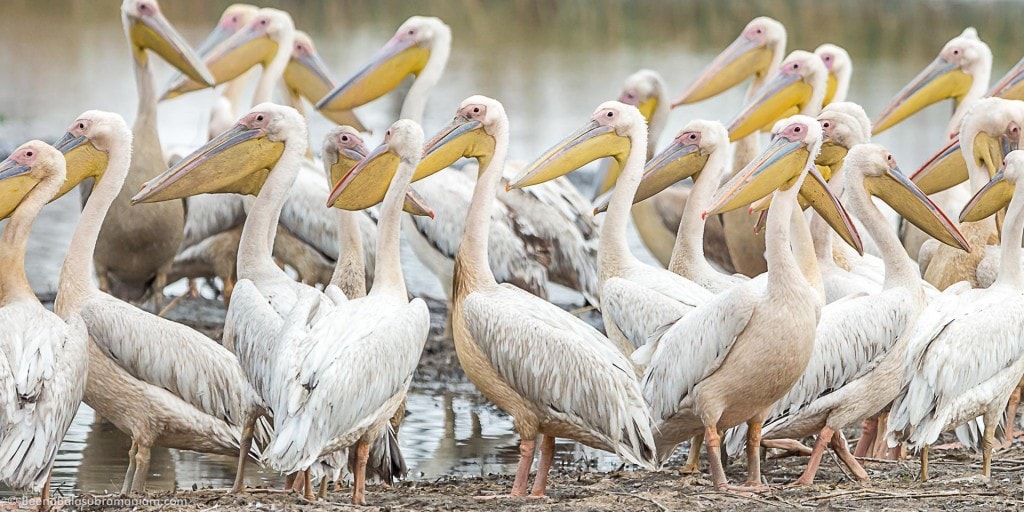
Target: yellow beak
(83, 161)
(1010, 86)
(909, 201)
(830, 89)
(389, 66)
(784, 95)
(742, 59)
(307, 76)
(676, 163)
(939, 81)
(994, 196)
(779, 165)
(16, 182)
(415, 204)
(587, 144)
(359, 187)
(155, 33)
(237, 161)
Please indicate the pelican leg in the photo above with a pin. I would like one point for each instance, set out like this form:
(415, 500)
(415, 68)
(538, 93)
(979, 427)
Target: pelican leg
(159, 283)
(868, 429)
(881, 448)
(243, 455)
(693, 458)
(924, 463)
(337, 485)
(141, 468)
(843, 450)
(44, 497)
(792, 446)
(322, 493)
(126, 488)
(754, 456)
(988, 441)
(712, 443)
(1011, 414)
(824, 438)
(547, 455)
(289, 481)
(526, 450)
(307, 486)
(359, 488)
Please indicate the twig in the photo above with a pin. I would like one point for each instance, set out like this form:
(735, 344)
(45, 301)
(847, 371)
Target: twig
(743, 496)
(652, 501)
(871, 459)
(838, 494)
(926, 495)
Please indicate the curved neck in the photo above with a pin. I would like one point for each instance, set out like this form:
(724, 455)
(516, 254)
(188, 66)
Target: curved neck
(76, 274)
(821, 236)
(14, 283)
(899, 268)
(255, 257)
(387, 271)
(803, 252)
(613, 245)
(350, 269)
(144, 130)
(1010, 244)
(786, 219)
(416, 99)
(471, 261)
(688, 253)
(273, 71)
(979, 86)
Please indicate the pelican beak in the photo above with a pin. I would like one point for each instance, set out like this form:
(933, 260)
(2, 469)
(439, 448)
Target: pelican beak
(831, 156)
(365, 184)
(913, 204)
(944, 170)
(646, 107)
(153, 32)
(994, 196)
(587, 144)
(809, 188)
(784, 95)
(15, 183)
(181, 84)
(307, 76)
(940, 80)
(779, 165)
(348, 158)
(236, 161)
(816, 192)
(742, 59)
(399, 58)
(676, 163)
(463, 138)
(830, 88)
(1011, 86)
(83, 161)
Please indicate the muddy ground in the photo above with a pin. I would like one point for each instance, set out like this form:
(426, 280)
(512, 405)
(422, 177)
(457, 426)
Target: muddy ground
(955, 482)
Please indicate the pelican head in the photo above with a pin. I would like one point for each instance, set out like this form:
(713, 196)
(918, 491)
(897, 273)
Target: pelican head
(473, 133)
(406, 53)
(236, 161)
(403, 143)
(31, 164)
(840, 69)
(234, 19)
(753, 53)
(610, 133)
(783, 164)
(964, 63)
(798, 86)
(872, 167)
(843, 124)
(257, 43)
(646, 90)
(991, 128)
(685, 157)
(343, 149)
(307, 77)
(148, 29)
(996, 194)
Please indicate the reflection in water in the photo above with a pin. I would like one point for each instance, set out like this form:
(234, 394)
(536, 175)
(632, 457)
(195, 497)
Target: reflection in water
(550, 63)
(446, 432)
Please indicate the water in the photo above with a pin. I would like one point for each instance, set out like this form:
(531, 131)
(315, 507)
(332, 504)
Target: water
(551, 64)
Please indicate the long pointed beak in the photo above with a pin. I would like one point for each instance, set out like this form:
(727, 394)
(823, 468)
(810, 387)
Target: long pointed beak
(348, 158)
(780, 163)
(938, 81)
(179, 83)
(831, 86)
(463, 138)
(83, 161)
(944, 170)
(742, 59)
(808, 189)
(587, 144)
(676, 163)
(913, 204)
(155, 33)
(236, 161)
(365, 184)
(819, 195)
(417, 205)
(389, 66)
(308, 76)
(231, 57)
(1011, 86)
(11, 169)
(994, 196)
(781, 97)
(15, 183)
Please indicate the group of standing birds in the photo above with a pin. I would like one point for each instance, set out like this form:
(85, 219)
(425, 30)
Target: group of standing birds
(811, 335)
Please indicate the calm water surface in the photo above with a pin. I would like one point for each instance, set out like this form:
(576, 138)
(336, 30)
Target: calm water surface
(550, 63)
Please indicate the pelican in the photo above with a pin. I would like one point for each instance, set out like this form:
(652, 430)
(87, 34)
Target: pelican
(960, 72)
(576, 384)
(43, 361)
(636, 298)
(136, 247)
(545, 221)
(728, 361)
(840, 69)
(158, 381)
(860, 342)
(966, 355)
(757, 52)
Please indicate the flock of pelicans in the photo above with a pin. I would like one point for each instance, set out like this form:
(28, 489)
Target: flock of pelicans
(308, 378)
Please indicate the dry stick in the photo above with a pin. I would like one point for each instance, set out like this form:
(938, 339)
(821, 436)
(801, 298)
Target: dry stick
(927, 495)
(652, 501)
(838, 494)
(871, 459)
(742, 496)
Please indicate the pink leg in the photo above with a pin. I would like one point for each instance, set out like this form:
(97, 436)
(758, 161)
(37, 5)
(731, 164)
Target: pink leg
(693, 458)
(547, 456)
(868, 430)
(841, 449)
(526, 450)
(359, 489)
(824, 437)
